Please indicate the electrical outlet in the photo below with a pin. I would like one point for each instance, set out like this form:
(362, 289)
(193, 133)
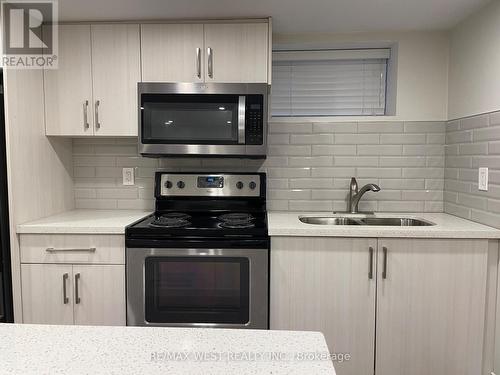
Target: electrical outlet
(483, 179)
(128, 176)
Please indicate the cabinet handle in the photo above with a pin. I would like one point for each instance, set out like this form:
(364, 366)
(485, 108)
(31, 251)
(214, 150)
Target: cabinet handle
(198, 62)
(370, 266)
(52, 250)
(77, 294)
(210, 63)
(86, 114)
(65, 294)
(97, 123)
(384, 270)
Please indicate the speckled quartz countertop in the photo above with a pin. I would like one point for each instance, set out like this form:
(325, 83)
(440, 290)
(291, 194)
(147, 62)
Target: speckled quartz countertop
(84, 222)
(447, 226)
(45, 349)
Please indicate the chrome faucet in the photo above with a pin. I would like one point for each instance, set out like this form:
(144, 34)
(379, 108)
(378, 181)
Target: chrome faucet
(355, 195)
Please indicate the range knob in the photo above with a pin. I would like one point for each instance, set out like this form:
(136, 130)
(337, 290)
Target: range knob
(168, 184)
(252, 185)
(239, 185)
(181, 184)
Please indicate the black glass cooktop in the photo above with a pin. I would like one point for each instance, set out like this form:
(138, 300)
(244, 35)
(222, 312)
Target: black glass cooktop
(219, 223)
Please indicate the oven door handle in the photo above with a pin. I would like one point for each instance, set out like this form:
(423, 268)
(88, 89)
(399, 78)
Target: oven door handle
(241, 119)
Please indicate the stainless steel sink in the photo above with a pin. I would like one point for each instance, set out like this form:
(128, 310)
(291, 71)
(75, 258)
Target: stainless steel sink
(329, 220)
(395, 221)
(380, 221)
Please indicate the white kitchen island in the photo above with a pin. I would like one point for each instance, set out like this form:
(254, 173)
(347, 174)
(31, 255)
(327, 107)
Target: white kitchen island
(49, 349)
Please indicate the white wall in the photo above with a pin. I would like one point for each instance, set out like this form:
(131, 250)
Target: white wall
(475, 64)
(422, 69)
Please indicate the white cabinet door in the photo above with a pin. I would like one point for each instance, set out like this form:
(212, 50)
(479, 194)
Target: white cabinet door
(47, 293)
(116, 70)
(323, 284)
(68, 89)
(239, 52)
(431, 306)
(172, 53)
(99, 294)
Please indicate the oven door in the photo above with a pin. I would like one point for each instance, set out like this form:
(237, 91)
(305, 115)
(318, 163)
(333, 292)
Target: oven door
(198, 287)
(201, 119)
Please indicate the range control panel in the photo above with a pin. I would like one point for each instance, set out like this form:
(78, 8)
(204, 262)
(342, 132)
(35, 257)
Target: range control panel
(208, 185)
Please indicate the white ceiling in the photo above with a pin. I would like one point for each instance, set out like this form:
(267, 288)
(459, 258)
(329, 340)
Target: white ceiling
(289, 16)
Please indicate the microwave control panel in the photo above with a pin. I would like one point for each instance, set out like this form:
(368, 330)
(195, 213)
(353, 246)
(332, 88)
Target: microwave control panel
(254, 130)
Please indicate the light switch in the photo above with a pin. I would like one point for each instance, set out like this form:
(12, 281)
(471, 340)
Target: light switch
(128, 176)
(483, 179)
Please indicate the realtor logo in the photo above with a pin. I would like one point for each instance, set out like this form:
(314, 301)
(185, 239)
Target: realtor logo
(29, 34)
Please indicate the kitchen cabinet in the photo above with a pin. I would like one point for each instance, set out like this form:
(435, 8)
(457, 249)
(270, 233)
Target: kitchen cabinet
(237, 52)
(429, 296)
(101, 293)
(68, 89)
(46, 293)
(116, 70)
(73, 279)
(431, 306)
(94, 89)
(212, 52)
(172, 52)
(328, 285)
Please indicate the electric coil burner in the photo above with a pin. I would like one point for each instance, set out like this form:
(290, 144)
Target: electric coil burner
(202, 259)
(237, 220)
(171, 220)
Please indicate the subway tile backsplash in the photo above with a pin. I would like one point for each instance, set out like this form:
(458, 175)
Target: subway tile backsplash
(472, 143)
(309, 166)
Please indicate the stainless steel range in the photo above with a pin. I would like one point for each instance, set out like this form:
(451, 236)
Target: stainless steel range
(202, 259)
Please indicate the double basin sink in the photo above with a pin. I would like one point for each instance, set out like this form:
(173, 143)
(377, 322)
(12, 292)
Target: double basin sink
(352, 220)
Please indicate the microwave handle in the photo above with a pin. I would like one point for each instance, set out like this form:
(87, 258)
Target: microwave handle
(241, 119)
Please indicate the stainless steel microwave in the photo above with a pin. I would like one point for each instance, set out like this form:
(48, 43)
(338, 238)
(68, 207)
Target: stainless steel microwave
(203, 119)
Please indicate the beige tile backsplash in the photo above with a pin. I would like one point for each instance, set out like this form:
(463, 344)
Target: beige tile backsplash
(309, 166)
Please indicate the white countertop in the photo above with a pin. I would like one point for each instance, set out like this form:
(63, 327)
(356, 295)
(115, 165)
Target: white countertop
(43, 349)
(84, 222)
(280, 224)
(447, 226)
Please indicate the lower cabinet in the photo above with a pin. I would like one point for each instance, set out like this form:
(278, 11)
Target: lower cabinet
(431, 306)
(422, 312)
(323, 284)
(84, 292)
(101, 295)
(47, 294)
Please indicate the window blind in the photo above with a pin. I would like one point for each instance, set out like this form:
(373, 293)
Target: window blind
(329, 83)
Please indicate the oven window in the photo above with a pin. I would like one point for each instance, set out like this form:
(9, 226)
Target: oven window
(197, 290)
(189, 119)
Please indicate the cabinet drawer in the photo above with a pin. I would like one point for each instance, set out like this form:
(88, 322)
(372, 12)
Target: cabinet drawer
(72, 248)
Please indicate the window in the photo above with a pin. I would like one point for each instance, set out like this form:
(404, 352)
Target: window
(329, 82)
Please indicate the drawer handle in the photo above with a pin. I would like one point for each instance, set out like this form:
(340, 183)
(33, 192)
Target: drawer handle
(65, 294)
(198, 62)
(86, 114)
(370, 265)
(77, 293)
(96, 112)
(210, 63)
(384, 270)
(53, 250)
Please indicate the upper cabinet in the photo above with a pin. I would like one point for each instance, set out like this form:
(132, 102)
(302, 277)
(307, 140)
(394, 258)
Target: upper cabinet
(212, 52)
(237, 52)
(94, 89)
(172, 53)
(116, 70)
(68, 89)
